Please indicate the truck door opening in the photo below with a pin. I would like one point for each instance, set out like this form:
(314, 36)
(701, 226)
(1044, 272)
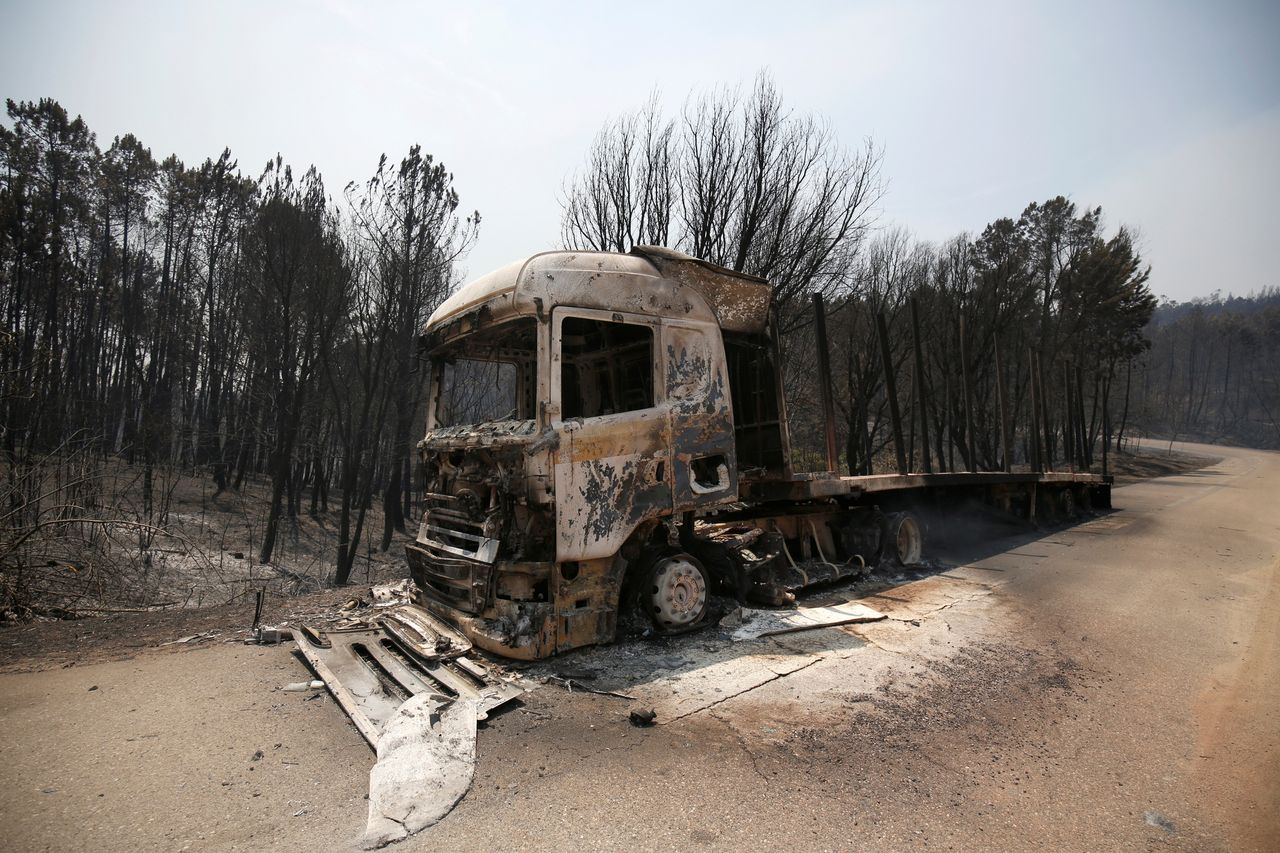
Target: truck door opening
(606, 367)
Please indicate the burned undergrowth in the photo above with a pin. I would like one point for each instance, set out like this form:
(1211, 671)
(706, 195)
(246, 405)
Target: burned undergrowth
(83, 535)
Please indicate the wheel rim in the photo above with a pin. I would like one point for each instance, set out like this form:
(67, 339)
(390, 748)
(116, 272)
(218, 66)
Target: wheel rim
(678, 594)
(907, 541)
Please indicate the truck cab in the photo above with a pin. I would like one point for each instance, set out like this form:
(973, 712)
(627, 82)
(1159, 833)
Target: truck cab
(580, 405)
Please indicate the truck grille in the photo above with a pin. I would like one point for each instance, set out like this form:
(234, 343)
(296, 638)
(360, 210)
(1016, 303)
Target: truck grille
(456, 533)
(453, 560)
(463, 584)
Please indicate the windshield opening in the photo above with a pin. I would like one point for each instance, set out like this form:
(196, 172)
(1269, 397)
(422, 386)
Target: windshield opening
(488, 376)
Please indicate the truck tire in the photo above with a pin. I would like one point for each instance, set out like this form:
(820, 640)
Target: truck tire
(1067, 503)
(905, 540)
(675, 596)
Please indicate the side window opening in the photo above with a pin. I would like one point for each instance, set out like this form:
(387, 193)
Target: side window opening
(757, 422)
(605, 367)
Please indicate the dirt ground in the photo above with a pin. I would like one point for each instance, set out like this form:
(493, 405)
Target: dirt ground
(51, 643)
(189, 549)
(1113, 685)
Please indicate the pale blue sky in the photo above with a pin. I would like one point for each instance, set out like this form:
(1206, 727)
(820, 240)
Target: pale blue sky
(1165, 113)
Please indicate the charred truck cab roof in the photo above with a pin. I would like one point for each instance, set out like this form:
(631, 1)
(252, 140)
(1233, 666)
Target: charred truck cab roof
(649, 281)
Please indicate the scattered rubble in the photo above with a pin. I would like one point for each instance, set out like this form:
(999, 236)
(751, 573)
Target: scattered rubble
(643, 718)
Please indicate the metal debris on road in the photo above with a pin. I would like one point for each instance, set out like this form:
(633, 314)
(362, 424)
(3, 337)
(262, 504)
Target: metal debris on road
(265, 635)
(765, 623)
(643, 718)
(405, 681)
(303, 686)
(571, 684)
(372, 671)
(426, 761)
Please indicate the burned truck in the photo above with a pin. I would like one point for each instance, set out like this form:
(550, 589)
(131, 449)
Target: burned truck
(607, 439)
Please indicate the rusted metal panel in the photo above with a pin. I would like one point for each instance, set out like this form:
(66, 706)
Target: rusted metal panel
(705, 470)
(586, 598)
(601, 499)
(825, 386)
(891, 391)
(610, 471)
(903, 482)
(741, 302)
(801, 487)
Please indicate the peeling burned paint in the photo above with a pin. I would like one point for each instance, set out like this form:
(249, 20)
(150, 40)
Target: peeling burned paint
(740, 302)
(597, 493)
(701, 416)
(605, 482)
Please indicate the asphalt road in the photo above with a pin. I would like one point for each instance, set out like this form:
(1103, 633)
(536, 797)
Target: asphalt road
(1115, 685)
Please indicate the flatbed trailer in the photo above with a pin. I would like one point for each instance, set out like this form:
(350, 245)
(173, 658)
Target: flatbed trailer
(826, 485)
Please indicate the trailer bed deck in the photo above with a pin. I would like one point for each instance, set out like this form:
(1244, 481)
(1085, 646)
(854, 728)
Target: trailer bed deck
(824, 484)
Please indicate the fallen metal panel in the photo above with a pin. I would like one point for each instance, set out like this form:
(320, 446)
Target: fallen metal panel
(765, 623)
(371, 676)
(428, 637)
(416, 700)
(345, 698)
(426, 762)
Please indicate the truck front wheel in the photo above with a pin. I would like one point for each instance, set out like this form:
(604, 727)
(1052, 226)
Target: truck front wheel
(676, 594)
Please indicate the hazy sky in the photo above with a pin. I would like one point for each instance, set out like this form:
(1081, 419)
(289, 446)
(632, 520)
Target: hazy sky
(1165, 113)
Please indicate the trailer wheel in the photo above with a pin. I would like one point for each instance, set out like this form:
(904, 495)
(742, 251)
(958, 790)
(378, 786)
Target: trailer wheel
(1068, 503)
(906, 539)
(677, 593)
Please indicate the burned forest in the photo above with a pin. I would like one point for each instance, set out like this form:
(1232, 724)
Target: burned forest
(1040, 316)
(205, 370)
(212, 380)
